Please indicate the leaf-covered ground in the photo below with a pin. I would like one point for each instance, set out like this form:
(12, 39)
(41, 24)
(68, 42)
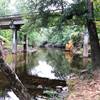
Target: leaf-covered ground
(87, 89)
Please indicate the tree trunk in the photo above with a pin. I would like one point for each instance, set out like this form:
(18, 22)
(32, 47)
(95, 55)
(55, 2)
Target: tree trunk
(16, 85)
(94, 41)
(85, 44)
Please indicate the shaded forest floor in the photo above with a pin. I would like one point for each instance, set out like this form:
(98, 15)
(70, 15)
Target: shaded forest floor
(87, 89)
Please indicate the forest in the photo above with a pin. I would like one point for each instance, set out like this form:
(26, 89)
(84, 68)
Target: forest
(53, 25)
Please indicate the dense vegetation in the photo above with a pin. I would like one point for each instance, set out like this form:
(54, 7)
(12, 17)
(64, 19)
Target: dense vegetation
(45, 25)
(51, 26)
(54, 21)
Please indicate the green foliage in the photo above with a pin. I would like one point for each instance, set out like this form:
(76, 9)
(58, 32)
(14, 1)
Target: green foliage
(6, 34)
(4, 10)
(48, 13)
(98, 27)
(76, 37)
(54, 15)
(97, 15)
(36, 38)
(97, 9)
(53, 20)
(62, 37)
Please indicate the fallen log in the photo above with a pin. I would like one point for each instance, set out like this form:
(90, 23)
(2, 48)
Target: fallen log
(16, 85)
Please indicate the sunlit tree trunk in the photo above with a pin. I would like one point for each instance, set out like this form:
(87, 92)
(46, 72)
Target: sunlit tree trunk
(94, 41)
(85, 44)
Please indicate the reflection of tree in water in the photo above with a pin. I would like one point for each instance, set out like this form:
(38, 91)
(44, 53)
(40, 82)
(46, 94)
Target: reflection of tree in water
(69, 56)
(57, 60)
(63, 63)
(79, 63)
(34, 58)
(54, 58)
(76, 62)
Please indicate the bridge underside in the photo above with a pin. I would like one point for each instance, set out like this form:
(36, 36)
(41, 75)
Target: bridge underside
(7, 24)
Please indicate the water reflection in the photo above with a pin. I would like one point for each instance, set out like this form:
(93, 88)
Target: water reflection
(11, 96)
(8, 94)
(44, 69)
(69, 56)
(56, 62)
(85, 61)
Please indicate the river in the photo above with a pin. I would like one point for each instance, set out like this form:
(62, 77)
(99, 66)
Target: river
(41, 72)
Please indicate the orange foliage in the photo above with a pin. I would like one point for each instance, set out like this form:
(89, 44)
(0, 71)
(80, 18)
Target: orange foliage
(69, 46)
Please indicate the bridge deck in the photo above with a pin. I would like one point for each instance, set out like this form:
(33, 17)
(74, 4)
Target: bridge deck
(5, 21)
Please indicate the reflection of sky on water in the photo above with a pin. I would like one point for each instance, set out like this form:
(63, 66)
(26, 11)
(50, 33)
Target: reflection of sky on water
(43, 70)
(12, 96)
(9, 96)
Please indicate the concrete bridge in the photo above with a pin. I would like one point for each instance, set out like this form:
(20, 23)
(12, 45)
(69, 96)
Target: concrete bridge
(6, 22)
(13, 22)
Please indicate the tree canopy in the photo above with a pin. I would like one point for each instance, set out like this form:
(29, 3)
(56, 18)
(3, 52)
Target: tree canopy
(4, 7)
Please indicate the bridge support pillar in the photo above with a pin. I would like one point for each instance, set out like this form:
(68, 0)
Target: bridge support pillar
(14, 37)
(14, 41)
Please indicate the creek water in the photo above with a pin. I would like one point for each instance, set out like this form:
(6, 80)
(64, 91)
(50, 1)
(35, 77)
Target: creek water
(41, 72)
